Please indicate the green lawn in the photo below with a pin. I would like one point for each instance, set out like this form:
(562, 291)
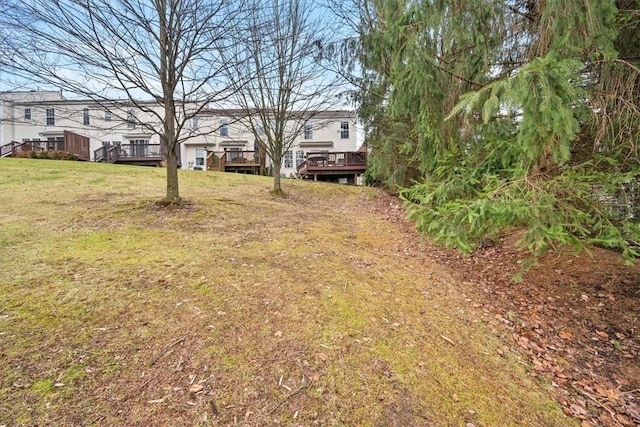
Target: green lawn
(241, 308)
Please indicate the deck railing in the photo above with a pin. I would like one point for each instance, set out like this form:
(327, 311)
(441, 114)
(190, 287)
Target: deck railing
(71, 143)
(14, 147)
(344, 159)
(114, 153)
(218, 160)
(239, 157)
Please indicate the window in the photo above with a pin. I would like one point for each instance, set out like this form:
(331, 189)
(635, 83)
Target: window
(232, 153)
(200, 154)
(139, 148)
(107, 116)
(344, 130)
(131, 120)
(85, 116)
(224, 127)
(288, 159)
(299, 157)
(308, 130)
(194, 124)
(27, 113)
(106, 143)
(51, 117)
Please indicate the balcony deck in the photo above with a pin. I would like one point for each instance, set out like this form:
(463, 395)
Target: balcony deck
(69, 143)
(130, 154)
(332, 166)
(234, 161)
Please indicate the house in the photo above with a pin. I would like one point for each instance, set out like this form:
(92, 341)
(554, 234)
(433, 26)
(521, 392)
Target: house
(229, 145)
(38, 119)
(119, 131)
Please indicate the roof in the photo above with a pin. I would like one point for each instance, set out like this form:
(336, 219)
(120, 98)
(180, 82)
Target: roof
(320, 114)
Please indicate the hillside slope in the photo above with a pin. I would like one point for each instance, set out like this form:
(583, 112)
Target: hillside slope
(240, 308)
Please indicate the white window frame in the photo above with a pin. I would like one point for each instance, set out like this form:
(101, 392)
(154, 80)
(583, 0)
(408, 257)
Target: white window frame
(50, 116)
(131, 119)
(224, 127)
(27, 113)
(299, 157)
(200, 159)
(288, 159)
(344, 130)
(139, 141)
(308, 130)
(85, 116)
(107, 115)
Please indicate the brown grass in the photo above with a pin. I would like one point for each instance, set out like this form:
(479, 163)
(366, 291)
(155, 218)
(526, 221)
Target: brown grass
(237, 308)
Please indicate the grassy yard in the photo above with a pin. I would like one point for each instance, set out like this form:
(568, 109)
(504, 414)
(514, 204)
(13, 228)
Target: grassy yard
(241, 308)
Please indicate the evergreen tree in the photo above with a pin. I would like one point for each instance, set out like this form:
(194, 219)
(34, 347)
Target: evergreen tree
(494, 115)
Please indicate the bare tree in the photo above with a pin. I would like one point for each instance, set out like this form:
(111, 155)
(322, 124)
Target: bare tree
(280, 85)
(167, 51)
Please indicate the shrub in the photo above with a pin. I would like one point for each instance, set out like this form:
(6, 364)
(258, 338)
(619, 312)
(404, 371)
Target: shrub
(47, 155)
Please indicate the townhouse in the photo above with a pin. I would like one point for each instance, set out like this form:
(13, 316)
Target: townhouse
(119, 131)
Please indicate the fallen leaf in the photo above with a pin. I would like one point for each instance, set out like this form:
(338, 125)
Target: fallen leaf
(322, 356)
(195, 388)
(455, 398)
(578, 410)
(624, 420)
(565, 336)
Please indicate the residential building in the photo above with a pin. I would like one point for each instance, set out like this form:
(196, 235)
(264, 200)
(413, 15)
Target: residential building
(225, 131)
(44, 116)
(120, 131)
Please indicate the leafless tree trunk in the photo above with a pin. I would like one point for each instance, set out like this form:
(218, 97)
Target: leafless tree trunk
(169, 52)
(275, 71)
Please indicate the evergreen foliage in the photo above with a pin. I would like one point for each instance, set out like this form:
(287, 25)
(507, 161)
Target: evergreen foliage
(490, 116)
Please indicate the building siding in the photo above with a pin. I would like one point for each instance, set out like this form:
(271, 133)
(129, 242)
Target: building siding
(202, 135)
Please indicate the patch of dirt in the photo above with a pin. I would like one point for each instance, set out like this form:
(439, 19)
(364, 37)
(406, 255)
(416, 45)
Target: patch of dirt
(576, 318)
(169, 204)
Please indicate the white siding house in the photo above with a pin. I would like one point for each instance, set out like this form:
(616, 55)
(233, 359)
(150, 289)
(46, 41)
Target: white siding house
(327, 131)
(46, 115)
(42, 116)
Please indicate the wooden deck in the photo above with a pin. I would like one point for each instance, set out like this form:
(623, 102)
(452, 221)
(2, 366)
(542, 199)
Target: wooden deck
(234, 161)
(333, 166)
(130, 154)
(70, 143)
(324, 166)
